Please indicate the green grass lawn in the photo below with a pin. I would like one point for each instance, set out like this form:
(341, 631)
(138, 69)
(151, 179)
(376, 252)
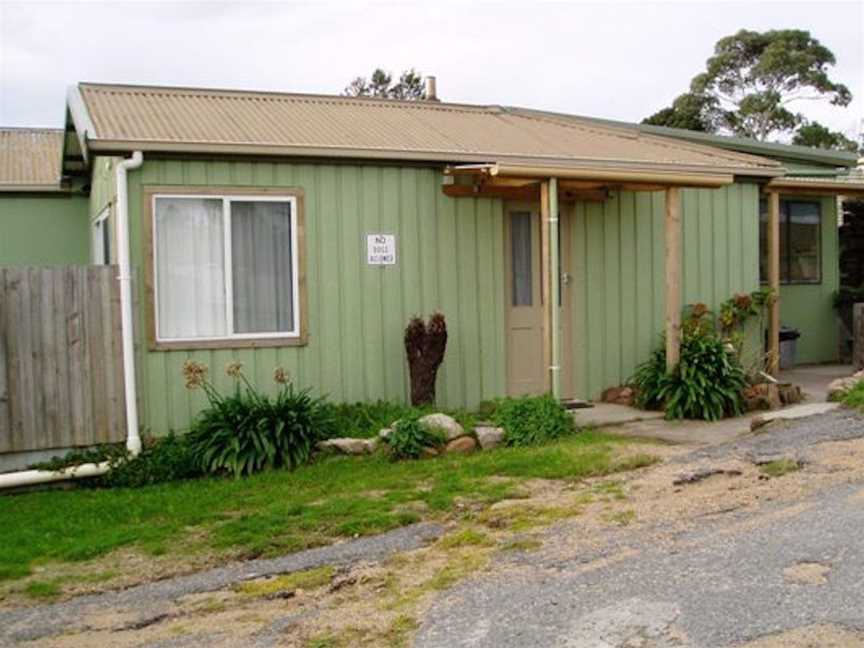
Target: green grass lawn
(279, 511)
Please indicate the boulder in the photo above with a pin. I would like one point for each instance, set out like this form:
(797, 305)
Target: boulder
(349, 446)
(384, 433)
(429, 453)
(489, 437)
(838, 388)
(623, 395)
(446, 424)
(462, 445)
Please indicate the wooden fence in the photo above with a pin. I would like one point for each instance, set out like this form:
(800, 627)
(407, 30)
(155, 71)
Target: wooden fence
(61, 364)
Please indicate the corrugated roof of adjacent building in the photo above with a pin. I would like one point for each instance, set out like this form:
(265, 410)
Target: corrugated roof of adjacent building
(30, 159)
(119, 117)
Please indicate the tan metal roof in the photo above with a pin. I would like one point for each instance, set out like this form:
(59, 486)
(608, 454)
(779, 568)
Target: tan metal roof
(118, 118)
(30, 159)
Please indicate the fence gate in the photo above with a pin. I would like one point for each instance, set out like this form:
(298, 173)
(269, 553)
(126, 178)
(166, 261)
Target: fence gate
(61, 363)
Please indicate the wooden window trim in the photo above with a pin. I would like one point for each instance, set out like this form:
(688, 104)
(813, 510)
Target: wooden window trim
(153, 344)
(785, 272)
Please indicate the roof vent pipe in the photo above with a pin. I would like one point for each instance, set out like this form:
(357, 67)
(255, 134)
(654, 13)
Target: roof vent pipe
(431, 89)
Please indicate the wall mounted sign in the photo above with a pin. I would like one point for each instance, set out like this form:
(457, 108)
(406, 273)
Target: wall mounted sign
(381, 249)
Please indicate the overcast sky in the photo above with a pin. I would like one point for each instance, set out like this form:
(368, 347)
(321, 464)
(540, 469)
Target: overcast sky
(615, 60)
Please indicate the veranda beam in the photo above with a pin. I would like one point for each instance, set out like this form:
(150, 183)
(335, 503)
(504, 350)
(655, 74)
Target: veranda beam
(774, 282)
(673, 276)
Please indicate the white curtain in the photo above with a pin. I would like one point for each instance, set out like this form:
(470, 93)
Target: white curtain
(262, 267)
(190, 268)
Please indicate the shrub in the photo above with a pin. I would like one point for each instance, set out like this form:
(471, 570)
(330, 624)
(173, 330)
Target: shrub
(854, 398)
(707, 383)
(532, 420)
(365, 420)
(409, 438)
(161, 460)
(249, 431)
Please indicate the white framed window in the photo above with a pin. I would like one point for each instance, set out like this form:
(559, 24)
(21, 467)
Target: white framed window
(225, 267)
(100, 238)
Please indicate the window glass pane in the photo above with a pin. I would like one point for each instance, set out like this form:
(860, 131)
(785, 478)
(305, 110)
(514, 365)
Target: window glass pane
(803, 238)
(190, 268)
(263, 283)
(520, 236)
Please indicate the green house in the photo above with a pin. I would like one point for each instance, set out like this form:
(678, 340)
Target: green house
(303, 231)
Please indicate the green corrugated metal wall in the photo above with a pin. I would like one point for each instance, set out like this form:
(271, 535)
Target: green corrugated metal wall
(809, 308)
(618, 270)
(43, 229)
(449, 258)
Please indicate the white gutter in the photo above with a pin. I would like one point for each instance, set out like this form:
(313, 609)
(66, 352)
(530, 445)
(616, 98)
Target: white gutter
(133, 439)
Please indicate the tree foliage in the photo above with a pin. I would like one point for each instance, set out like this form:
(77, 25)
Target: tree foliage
(752, 83)
(408, 87)
(816, 135)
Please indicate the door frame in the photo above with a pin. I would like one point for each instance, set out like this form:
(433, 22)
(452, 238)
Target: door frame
(538, 267)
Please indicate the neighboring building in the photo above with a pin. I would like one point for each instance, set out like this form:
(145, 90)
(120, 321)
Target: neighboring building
(254, 217)
(42, 222)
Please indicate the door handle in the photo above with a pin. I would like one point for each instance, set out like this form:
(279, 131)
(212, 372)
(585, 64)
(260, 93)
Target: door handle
(566, 278)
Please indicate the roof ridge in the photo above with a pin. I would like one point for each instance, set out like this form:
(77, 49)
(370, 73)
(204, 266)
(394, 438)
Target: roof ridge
(296, 96)
(31, 129)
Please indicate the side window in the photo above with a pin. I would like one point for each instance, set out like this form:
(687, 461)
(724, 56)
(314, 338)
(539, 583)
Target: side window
(800, 241)
(100, 242)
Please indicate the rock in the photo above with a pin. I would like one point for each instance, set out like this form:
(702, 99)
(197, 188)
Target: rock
(349, 446)
(489, 437)
(462, 445)
(838, 388)
(446, 424)
(763, 396)
(384, 433)
(622, 395)
(429, 453)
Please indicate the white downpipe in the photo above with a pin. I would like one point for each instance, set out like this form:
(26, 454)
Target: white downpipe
(133, 439)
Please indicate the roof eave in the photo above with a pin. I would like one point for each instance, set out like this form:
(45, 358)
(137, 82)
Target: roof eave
(121, 146)
(84, 127)
(32, 188)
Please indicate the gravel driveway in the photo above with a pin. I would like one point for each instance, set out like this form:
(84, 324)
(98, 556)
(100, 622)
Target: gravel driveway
(738, 577)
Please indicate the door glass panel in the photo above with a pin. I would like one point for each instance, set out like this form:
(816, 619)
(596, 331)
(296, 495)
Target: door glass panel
(520, 237)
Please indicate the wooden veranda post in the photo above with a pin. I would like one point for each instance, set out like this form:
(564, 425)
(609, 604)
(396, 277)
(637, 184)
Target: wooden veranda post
(774, 282)
(673, 276)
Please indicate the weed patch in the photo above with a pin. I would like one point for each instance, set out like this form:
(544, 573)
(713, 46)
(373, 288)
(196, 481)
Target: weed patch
(308, 579)
(780, 467)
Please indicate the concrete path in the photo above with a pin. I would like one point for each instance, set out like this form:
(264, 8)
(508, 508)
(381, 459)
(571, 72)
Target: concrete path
(730, 579)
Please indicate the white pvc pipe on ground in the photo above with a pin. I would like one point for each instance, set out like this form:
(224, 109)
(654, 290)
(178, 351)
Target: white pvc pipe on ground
(33, 477)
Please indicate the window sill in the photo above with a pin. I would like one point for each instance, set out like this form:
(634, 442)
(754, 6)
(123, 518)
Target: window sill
(230, 343)
(794, 283)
